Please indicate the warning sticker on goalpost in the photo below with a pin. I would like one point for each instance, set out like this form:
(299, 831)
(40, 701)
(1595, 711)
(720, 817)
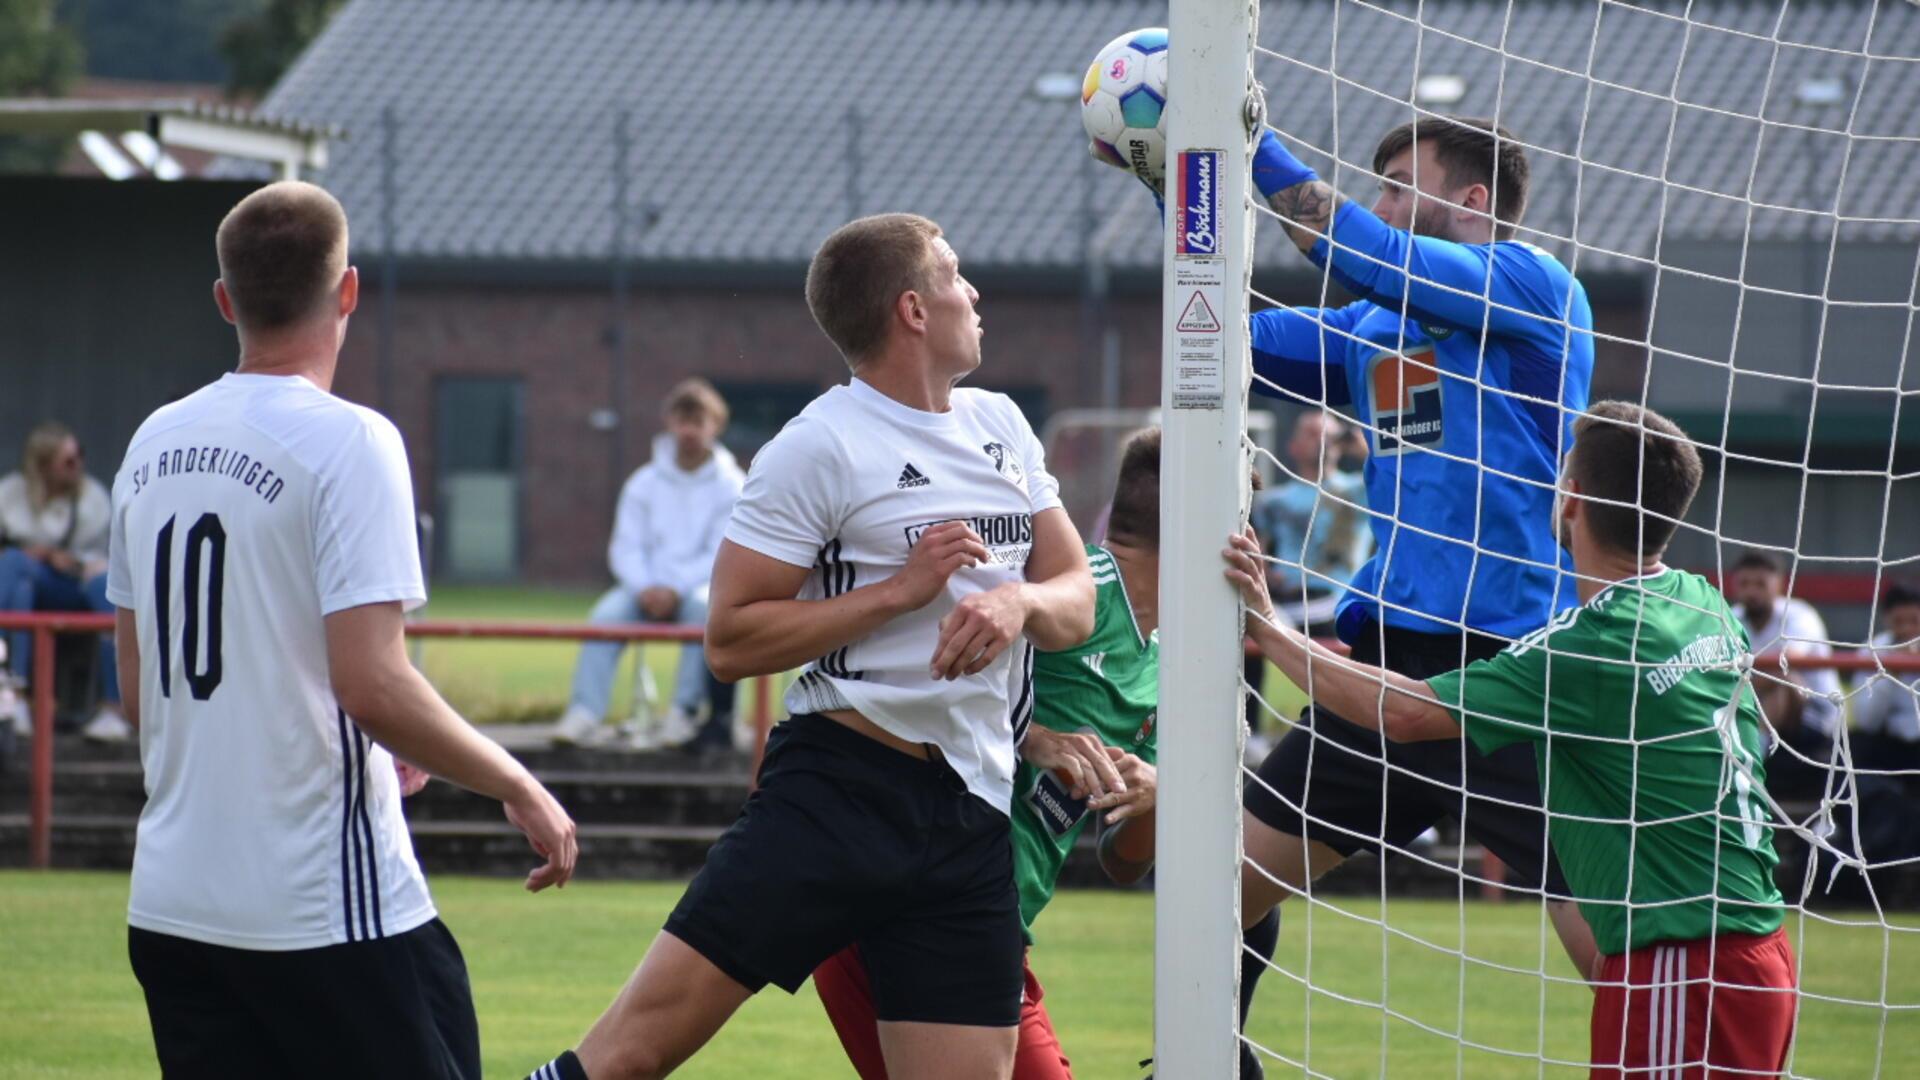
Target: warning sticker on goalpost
(1199, 335)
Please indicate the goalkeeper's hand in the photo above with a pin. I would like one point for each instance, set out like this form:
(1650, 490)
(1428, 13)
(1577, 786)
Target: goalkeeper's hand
(1159, 196)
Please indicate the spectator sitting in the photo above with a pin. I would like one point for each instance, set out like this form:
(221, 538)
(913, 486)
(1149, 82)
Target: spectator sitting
(1802, 709)
(1887, 713)
(672, 513)
(1315, 522)
(53, 557)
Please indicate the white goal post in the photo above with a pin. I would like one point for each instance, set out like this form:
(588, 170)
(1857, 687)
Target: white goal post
(1203, 497)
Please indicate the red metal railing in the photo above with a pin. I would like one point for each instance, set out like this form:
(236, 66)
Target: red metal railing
(46, 625)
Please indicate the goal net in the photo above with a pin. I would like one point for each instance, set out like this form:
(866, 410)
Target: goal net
(1732, 185)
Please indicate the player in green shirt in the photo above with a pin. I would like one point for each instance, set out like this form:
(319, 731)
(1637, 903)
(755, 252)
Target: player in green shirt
(1650, 754)
(1105, 689)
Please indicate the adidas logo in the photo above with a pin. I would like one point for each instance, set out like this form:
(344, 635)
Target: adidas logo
(911, 477)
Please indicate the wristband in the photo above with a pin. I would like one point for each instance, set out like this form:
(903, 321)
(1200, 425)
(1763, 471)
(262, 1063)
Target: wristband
(1275, 169)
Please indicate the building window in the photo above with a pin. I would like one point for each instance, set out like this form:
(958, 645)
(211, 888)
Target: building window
(760, 410)
(478, 452)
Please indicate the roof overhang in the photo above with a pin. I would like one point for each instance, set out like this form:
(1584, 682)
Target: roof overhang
(288, 145)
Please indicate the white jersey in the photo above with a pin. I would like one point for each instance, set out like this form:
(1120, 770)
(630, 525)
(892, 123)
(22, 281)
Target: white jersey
(1794, 626)
(242, 516)
(847, 488)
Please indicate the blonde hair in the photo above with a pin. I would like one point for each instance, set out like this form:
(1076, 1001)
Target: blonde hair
(36, 460)
(695, 397)
(861, 270)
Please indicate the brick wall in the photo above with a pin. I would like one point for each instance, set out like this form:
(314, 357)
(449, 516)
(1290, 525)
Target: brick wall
(557, 340)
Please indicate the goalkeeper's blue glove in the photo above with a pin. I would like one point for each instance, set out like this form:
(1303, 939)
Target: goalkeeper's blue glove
(1275, 169)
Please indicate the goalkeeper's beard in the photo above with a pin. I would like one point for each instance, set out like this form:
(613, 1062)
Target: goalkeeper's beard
(1432, 218)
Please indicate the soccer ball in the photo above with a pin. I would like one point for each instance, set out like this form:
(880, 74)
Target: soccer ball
(1123, 104)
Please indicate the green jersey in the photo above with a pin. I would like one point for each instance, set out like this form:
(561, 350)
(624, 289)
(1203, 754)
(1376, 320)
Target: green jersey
(1109, 685)
(1650, 758)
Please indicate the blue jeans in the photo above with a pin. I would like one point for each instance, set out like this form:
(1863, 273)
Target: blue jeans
(599, 661)
(27, 584)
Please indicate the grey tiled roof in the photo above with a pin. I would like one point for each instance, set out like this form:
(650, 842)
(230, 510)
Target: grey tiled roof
(740, 148)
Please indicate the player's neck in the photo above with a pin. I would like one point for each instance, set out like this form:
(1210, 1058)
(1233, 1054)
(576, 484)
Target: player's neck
(1599, 567)
(311, 353)
(1140, 575)
(915, 385)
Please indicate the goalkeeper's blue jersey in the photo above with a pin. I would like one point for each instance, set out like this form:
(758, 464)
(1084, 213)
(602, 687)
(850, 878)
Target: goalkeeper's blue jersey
(1468, 365)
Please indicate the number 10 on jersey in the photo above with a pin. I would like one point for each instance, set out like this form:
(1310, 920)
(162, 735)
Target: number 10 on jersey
(203, 571)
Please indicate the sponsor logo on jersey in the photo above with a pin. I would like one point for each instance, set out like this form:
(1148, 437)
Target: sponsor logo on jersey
(1406, 401)
(1009, 537)
(911, 477)
(1436, 331)
(1197, 203)
(1003, 461)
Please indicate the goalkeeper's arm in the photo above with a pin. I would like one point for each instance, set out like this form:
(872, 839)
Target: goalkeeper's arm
(1405, 709)
(1499, 288)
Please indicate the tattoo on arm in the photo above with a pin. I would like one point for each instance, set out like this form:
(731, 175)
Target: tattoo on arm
(1305, 210)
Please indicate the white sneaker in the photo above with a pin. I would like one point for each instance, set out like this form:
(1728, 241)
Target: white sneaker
(13, 711)
(677, 728)
(108, 725)
(578, 727)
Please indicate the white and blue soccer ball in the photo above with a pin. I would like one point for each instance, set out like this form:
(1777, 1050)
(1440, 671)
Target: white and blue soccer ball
(1123, 104)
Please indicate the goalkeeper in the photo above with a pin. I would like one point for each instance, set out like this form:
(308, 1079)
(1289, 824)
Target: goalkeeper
(1107, 688)
(1650, 754)
(1465, 358)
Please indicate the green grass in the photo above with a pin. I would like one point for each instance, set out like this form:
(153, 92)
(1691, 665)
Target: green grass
(544, 966)
(504, 681)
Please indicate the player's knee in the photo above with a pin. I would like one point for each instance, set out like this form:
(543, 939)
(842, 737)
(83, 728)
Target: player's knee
(614, 607)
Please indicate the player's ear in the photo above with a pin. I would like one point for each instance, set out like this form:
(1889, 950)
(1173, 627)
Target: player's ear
(1476, 203)
(349, 291)
(911, 310)
(224, 302)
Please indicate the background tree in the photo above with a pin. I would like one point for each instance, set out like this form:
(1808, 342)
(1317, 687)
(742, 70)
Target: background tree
(38, 58)
(261, 46)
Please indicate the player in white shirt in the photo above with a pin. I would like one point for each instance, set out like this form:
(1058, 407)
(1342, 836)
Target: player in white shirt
(263, 555)
(1803, 708)
(898, 539)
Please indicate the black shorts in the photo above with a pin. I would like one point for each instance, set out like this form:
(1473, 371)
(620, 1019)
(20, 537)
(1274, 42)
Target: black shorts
(392, 1007)
(1356, 800)
(847, 841)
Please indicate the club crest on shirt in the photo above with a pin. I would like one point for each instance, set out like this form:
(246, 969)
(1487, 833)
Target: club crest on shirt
(1405, 393)
(1146, 728)
(1003, 461)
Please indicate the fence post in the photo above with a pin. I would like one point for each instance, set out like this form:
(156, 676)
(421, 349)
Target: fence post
(40, 802)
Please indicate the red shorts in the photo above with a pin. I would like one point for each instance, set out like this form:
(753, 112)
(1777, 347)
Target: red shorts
(843, 988)
(1686, 1010)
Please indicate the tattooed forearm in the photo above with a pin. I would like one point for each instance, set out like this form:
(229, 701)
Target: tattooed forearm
(1305, 210)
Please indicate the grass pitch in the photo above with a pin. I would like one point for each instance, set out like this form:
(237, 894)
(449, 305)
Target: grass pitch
(544, 966)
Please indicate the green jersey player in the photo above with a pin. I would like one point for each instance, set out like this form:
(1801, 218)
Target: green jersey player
(1105, 689)
(1649, 745)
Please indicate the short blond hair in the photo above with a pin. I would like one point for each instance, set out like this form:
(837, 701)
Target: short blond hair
(861, 270)
(282, 252)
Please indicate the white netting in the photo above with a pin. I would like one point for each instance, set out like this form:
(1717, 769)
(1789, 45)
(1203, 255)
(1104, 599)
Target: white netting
(1734, 185)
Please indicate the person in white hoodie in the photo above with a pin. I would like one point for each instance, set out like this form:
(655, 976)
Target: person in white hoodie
(54, 521)
(671, 516)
